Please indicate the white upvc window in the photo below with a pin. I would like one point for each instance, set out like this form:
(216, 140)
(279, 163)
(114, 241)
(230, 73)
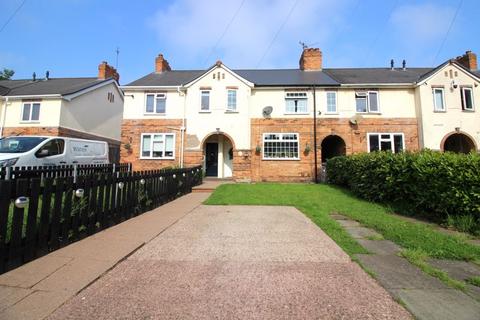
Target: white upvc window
(467, 98)
(438, 99)
(394, 142)
(156, 103)
(31, 112)
(367, 102)
(281, 146)
(331, 102)
(231, 100)
(157, 146)
(205, 100)
(296, 103)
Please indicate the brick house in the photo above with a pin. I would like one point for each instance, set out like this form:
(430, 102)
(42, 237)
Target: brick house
(266, 125)
(88, 108)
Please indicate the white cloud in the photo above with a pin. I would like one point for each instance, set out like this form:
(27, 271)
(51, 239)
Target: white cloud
(188, 30)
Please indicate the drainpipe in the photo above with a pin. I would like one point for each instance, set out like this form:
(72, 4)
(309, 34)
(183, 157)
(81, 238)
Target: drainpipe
(315, 132)
(182, 129)
(3, 116)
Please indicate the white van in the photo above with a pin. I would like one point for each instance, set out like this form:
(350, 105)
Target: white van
(22, 151)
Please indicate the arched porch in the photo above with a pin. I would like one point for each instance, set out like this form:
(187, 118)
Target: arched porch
(218, 155)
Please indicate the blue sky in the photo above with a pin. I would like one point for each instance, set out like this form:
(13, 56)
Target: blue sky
(71, 37)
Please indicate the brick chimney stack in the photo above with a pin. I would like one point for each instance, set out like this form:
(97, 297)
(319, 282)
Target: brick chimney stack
(468, 60)
(161, 64)
(311, 59)
(106, 71)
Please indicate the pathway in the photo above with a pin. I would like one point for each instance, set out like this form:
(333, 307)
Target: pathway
(236, 262)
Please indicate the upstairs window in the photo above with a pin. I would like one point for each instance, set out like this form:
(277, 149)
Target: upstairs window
(438, 99)
(331, 102)
(156, 103)
(467, 98)
(205, 100)
(296, 102)
(367, 101)
(231, 100)
(158, 146)
(31, 111)
(385, 142)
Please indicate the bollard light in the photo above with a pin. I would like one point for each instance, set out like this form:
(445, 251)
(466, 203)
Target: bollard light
(120, 185)
(174, 176)
(184, 174)
(21, 202)
(161, 178)
(142, 181)
(79, 193)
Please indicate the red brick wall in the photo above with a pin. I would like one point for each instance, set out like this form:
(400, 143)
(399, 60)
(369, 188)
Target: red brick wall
(355, 137)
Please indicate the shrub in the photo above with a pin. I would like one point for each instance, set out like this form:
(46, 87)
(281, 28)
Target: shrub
(438, 184)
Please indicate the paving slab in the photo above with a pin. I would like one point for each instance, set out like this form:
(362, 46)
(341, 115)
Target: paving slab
(37, 305)
(362, 232)
(380, 247)
(348, 223)
(337, 216)
(11, 295)
(394, 272)
(460, 270)
(446, 304)
(236, 262)
(33, 272)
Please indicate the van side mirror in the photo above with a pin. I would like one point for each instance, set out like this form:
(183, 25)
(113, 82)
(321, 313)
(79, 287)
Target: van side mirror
(43, 153)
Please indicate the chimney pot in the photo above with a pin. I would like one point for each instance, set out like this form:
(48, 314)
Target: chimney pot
(392, 64)
(311, 59)
(161, 64)
(106, 71)
(34, 76)
(468, 60)
(404, 65)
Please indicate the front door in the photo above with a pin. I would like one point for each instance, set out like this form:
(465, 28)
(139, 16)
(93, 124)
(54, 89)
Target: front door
(211, 160)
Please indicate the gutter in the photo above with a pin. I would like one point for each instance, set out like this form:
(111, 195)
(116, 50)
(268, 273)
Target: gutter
(182, 129)
(3, 116)
(315, 132)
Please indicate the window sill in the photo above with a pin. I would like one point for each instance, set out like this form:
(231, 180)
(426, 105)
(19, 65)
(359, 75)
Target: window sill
(297, 113)
(155, 114)
(281, 159)
(150, 158)
(367, 113)
(231, 111)
(30, 122)
(331, 113)
(205, 111)
(439, 111)
(468, 111)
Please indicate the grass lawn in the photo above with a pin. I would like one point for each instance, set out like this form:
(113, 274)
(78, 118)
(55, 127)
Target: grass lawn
(318, 201)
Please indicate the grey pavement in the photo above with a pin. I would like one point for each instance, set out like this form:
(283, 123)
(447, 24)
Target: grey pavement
(236, 262)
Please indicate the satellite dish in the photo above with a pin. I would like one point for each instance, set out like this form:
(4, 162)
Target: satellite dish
(356, 119)
(267, 111)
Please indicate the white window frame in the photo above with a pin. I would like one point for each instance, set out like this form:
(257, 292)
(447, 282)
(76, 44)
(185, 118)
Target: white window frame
(155, 96)
(464, 102)
(367, 98)
(31, 103)
(152, 134)
(229, 108)
(391, 140)
(289, 96)
(336, 102)
(435, 109)
(281, 139)
(209, 100)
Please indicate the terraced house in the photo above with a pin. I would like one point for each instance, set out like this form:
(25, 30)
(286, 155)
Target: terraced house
(282, 124)
(87, 108)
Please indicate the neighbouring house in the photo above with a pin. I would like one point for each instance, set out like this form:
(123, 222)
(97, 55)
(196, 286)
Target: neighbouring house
(87, 108)
(266, 125)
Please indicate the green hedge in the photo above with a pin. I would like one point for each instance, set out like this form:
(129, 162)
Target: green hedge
(440, 185)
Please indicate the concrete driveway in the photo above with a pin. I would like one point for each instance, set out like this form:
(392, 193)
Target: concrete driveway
(236, 262)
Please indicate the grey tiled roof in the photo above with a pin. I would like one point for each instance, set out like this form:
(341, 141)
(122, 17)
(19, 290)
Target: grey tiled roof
(61, 86)
(294, 77)
(376, 75)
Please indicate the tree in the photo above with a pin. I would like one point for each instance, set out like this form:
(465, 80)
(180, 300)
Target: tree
(6, 74)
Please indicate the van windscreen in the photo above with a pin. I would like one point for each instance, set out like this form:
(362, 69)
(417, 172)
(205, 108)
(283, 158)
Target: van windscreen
(19, 144)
